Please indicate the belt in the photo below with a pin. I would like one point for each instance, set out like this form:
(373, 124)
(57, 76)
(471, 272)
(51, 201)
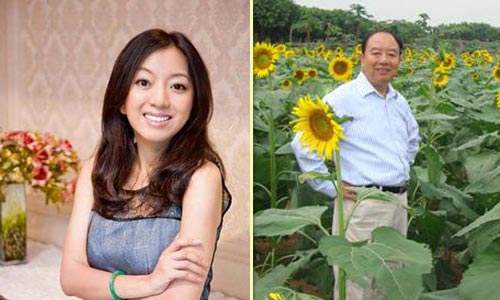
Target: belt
(392, 189)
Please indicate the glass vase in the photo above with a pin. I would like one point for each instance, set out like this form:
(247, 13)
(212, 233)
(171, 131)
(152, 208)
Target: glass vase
(13, 224)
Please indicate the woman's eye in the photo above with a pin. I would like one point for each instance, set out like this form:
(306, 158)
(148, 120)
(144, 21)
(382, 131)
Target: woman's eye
(142, 83)
(178, 86)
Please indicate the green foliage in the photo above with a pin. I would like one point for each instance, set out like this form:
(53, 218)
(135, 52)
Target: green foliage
(278, 222)
(395, 263)
(273, 18)
(278, 276)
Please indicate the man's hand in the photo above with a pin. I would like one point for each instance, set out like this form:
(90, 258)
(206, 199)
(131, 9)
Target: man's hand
(349, 193)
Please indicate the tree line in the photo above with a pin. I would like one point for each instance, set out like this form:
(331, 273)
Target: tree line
(281, 21)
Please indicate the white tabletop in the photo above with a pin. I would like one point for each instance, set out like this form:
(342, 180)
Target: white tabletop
(39, 277)
(36, 279)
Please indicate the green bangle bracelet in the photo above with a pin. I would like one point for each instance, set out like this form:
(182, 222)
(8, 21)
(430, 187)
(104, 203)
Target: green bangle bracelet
(112, 284)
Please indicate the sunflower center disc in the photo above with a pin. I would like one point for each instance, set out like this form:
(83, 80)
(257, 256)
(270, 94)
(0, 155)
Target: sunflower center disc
(340, 67)
(263, 60)
(321, 126)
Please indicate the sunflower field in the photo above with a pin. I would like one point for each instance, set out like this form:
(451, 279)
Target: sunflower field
(453, 245)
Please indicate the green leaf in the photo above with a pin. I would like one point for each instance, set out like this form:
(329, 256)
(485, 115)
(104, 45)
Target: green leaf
(459, 199)
(259, 124)
(285, 149)
(342, 119)
(278, 276)
(483, 231)
(338, 252)
(476, 165)
(276, 222)
(481, 238)
(373, 194)
(481, 280)
(483, 171)
(490, 216)
(396, 264)
(488, 115)
(314, 175)
(425, 116)
(434, 165)
(477, 141)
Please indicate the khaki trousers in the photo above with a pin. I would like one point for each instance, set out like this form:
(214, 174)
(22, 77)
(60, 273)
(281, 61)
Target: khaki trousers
(369, 215)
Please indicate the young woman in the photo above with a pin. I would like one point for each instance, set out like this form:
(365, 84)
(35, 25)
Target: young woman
(149, 205)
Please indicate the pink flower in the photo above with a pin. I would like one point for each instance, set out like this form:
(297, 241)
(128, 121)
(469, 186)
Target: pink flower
(69, 191)
(41, 174)
(42, 155)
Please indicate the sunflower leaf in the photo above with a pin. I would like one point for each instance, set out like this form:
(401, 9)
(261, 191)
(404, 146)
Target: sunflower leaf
(342, 119)
(278, 222)
(425, 116)
(395, 263)
(373, 194)
(480, 281)
(307, 176)
(491, 216)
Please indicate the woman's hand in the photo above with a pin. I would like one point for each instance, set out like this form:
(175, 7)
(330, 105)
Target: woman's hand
(182, 259)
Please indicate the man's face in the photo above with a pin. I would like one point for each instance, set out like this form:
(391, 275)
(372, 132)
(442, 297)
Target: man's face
(380, 61)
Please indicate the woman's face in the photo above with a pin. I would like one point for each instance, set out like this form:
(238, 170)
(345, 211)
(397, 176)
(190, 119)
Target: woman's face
(160, 98)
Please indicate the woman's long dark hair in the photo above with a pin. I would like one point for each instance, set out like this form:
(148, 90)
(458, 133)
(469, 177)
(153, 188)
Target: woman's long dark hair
(186, 151)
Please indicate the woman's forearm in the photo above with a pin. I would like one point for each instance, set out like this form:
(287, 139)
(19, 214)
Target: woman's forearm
(85, 282)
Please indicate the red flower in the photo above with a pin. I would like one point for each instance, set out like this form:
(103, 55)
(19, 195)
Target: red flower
(41, 174)
(42, 155)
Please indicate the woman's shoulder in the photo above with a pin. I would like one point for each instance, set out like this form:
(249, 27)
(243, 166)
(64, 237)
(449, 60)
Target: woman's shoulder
(210, 177)
(207, 169)
(88, 165)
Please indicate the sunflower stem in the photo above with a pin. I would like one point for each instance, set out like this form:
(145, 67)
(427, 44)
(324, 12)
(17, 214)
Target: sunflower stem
(272, 161)
(339, 207)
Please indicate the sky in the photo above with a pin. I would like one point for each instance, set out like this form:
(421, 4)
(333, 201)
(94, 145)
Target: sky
(439, 11)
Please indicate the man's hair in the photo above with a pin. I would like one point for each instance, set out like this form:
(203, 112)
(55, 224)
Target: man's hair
(398, 40)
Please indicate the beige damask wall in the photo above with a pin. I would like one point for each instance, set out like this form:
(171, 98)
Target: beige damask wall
(56, 58)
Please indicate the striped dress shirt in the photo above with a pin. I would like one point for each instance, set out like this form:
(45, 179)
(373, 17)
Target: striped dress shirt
(382, 139)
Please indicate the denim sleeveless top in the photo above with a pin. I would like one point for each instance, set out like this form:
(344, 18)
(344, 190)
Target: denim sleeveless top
(134, 245)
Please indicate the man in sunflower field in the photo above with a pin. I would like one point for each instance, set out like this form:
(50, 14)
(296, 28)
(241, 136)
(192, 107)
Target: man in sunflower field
(380, 143)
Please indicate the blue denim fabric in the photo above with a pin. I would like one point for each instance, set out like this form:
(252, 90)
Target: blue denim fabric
(133, 245)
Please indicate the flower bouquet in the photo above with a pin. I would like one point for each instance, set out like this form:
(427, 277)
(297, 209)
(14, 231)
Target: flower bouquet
(47, 164)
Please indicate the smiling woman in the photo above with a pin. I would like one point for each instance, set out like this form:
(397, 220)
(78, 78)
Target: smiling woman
(160, 97)
(149, 205)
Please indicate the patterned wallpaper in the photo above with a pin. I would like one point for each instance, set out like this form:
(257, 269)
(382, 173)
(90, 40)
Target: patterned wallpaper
(61, 54)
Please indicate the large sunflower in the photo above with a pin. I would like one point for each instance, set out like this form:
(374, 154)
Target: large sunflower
(496, 73)
(319, 131)
(264, 58)
(439, 77)
(340, 68)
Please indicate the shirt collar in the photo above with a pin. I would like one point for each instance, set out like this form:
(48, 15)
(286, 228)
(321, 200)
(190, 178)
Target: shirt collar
(365, 88)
